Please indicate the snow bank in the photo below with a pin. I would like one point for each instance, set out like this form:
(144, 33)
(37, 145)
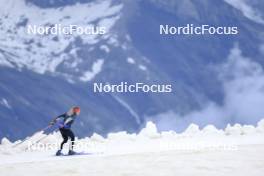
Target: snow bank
(260, 127)
(192, 130)
(211, 130)
(149, 139)
(149, 131)
(5, 142)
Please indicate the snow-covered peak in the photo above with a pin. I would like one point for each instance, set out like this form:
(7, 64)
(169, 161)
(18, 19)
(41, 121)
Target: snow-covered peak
(45, 53)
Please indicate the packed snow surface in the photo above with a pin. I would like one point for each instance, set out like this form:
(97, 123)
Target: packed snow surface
(236, 150)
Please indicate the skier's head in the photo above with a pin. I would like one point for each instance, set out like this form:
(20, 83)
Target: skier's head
(76, 110)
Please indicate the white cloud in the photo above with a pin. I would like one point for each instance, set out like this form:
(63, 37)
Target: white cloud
(244, 88)
(243, 84)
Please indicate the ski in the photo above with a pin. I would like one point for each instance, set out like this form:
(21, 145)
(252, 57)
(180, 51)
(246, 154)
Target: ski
(75, 154)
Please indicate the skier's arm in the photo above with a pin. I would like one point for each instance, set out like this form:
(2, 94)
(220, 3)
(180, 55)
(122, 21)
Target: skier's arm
(68, 122)
(53, 121)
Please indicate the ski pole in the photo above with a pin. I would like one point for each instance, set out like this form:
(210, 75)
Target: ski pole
(44, 129)
(36, 142)
(42, 138)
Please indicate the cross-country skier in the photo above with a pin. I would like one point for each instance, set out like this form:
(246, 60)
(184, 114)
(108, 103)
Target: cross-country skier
(64, 122)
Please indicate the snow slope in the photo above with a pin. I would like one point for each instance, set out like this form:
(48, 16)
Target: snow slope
(206, 151)
(248, 160)
(44, 53)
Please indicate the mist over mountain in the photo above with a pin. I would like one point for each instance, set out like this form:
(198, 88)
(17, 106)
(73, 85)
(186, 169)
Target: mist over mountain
(216, 79)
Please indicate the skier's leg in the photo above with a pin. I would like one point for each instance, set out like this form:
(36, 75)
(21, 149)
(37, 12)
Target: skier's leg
(65, 138)
(71, 135)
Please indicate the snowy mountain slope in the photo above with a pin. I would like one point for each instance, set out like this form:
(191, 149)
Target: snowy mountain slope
(42, 77)
(251, 9)
(207, 151)
(46, 53)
